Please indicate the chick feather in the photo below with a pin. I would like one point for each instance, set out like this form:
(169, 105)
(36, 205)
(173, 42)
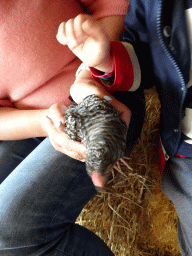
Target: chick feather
(97, 124)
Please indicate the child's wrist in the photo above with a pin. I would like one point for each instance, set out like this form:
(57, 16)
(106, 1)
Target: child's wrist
(106, 65)
(108, 75)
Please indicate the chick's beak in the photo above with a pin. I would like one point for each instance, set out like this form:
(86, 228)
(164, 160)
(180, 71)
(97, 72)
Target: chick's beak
(98, 180)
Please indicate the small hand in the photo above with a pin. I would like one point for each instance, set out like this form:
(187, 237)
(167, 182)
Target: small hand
(85, 86)
(58, 138)
(125, 112)
(88, 41)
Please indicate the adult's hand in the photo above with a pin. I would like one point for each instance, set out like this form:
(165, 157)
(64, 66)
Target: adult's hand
(54, 124)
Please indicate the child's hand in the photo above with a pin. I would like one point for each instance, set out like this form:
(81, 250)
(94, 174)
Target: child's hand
(86, 38)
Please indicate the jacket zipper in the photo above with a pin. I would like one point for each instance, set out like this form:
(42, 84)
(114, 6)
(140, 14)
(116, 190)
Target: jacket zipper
(183, 88)
(165, 47)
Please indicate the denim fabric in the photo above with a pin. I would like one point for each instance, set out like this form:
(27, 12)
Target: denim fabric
(42, 192)
(176, 183)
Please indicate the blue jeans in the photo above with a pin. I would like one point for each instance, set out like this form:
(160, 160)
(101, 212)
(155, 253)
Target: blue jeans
(176, 184)
(42, 192)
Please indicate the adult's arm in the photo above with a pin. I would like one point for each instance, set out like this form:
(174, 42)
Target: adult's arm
(18, 124)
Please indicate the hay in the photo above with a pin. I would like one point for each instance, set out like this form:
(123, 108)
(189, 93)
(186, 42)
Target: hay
(132, 215)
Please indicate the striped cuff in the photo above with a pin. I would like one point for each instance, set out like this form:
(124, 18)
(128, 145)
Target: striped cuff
(126, 73)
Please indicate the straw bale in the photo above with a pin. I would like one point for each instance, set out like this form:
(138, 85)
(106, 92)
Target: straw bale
(132, 215)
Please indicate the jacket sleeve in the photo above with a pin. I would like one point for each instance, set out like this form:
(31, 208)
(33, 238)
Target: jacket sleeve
(126, 70)
(104, 8)
(136, 33)
(132, 60)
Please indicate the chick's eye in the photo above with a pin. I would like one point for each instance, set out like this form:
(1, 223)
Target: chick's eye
(99, 108)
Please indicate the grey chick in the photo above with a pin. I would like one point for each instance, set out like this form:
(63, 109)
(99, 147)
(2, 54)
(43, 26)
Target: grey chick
(97, 124)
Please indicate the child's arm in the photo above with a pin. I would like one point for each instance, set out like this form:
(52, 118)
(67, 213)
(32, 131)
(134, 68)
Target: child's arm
(88, 40)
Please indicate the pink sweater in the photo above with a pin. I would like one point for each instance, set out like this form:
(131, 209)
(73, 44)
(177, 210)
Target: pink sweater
(35, 70)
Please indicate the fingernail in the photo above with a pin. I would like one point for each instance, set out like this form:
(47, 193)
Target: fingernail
(107, 98)
(58, 124)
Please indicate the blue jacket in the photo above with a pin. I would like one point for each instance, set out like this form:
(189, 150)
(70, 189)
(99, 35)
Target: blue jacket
(158, 32)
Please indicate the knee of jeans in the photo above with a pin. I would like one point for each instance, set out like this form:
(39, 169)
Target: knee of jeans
(17, 229)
